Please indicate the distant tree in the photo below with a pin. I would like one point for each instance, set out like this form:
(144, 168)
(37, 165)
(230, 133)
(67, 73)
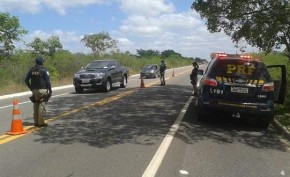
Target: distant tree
(50, 46)
(168, 53)
(53, 44)
(264, 24)
(10, 31)
(147, 53)
(99, 43)
(127, 53)
(38, 45)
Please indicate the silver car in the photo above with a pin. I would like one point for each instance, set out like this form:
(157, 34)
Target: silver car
(150, 71)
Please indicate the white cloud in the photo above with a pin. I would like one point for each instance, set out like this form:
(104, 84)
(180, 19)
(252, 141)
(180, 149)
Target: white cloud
(146, 8)
(140, 25)
(35, 6)
(32, 6)
(183, 32)
(62, 5)
(149, 24)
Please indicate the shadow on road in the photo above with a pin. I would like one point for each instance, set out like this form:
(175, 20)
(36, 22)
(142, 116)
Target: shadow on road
(222, 129)
(144, 117)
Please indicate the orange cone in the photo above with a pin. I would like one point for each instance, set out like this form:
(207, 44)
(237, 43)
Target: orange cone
(173, 75)
(16, 124)
(142, 85)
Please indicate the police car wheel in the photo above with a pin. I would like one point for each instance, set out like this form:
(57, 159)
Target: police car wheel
(263, 123)
(200, 113)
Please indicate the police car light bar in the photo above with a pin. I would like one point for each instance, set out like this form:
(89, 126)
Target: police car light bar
(221, 55)
(224, 56)
(218, 55)
(246, 56)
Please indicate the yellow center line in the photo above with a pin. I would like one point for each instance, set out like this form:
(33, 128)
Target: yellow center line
(6, 138)
(99, 103)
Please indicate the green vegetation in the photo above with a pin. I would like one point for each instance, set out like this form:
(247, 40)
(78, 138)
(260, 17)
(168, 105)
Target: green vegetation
(63, 64)
(10, 31)
(100, 42)
(49, 47)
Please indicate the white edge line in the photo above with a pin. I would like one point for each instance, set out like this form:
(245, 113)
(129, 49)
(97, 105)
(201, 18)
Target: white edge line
(156, 161)
(30, 101)
(29, 92)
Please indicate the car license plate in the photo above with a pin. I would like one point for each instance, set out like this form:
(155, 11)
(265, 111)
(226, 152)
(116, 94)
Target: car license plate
(239, 90)
(85, 81)
(86, 85)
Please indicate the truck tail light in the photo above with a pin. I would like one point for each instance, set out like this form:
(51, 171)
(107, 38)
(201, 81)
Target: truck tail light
(268, 87)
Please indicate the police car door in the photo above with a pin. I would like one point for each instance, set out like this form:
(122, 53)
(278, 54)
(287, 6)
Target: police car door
(278, 74)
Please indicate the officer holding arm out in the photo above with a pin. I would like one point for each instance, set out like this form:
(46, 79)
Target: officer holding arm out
(38, 81)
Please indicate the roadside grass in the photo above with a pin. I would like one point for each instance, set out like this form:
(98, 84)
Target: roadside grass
(64, 64)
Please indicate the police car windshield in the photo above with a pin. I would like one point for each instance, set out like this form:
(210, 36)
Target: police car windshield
(97, 65)
(237, 68)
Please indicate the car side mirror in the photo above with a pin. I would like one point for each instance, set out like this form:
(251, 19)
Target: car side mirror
(200, 72)
(82, 68)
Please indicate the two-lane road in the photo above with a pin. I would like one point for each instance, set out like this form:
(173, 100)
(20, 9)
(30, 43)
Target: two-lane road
(136, 132)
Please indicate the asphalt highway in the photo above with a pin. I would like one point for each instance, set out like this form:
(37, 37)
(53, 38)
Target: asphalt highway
(136, 132)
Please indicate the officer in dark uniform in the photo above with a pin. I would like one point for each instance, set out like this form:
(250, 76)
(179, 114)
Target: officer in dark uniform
(38, 81)
(193, 76)
(162, 69)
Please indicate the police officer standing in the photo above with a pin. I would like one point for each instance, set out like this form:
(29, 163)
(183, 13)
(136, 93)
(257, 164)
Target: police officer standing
(38, 81)
(193, 76)
(162, 69)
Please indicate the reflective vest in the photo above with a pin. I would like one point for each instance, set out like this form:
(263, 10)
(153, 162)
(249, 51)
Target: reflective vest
(37, 77)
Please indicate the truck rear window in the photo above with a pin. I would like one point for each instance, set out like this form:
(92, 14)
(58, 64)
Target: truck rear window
(243, 69)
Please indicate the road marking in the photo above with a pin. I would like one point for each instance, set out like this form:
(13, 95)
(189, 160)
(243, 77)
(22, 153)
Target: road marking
(61, 87)
(7, 138)
(155, 163)
(99, 103)
(29, 92)
(30, 101)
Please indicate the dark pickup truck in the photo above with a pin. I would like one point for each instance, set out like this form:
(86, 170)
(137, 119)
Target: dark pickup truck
(101, 74)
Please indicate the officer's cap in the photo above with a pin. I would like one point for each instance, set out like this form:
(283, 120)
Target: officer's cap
(39, 60)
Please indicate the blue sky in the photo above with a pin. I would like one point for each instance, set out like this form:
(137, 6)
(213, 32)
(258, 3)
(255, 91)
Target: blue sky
(135, 24)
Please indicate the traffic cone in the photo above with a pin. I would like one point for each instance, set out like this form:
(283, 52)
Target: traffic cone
(142, 85)
(16, 124)
(173, 75)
